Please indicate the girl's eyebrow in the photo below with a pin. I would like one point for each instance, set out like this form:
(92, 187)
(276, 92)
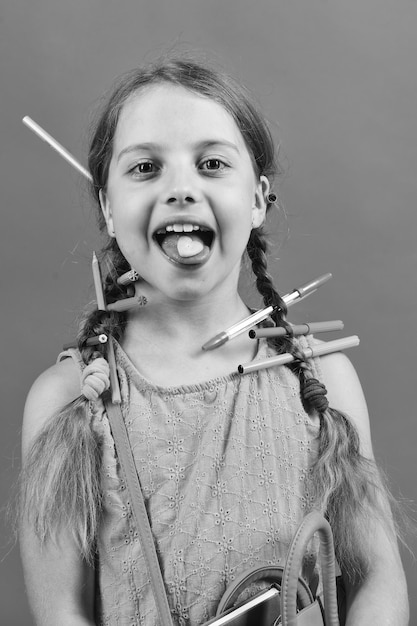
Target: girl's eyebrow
(212, 143)
(201, 145)
(137, 147)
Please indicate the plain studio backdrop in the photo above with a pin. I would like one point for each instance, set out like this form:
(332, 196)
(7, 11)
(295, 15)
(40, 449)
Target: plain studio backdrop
(338, 82)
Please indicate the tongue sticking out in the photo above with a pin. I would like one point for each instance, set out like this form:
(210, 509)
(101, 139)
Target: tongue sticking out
(187, 249)
(187, 246)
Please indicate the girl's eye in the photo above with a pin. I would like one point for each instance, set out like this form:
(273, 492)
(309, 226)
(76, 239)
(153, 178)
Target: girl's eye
(212, 165)
(144, 168)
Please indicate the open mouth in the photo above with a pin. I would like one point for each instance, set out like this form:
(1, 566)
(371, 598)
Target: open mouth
(186, 244)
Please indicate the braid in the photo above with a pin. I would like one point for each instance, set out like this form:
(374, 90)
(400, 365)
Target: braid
(348, 486)
(345, 485)
(108, 322)
(97, 321)
(257, 248)
(60, 481)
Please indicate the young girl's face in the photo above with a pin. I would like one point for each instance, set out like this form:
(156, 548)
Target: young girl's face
(182, 195)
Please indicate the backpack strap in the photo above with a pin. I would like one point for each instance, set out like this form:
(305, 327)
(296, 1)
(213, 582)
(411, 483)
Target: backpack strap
(131, 479)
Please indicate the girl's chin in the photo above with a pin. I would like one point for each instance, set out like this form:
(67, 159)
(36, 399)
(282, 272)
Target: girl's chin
(183, 290)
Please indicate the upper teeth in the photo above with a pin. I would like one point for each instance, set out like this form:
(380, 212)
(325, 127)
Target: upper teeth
(181, 228)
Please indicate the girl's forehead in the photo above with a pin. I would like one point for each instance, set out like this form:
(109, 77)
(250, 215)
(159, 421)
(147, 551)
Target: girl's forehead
(162, 109)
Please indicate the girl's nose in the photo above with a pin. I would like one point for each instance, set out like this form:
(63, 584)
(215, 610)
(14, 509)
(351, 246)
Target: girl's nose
(181, 197)
(182, 190)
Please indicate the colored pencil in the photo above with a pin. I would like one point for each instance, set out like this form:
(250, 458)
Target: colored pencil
(38, 130)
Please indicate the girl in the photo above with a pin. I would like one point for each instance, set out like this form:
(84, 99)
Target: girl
(182, 166)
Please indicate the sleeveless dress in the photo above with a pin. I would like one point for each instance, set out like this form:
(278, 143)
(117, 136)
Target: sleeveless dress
(224, 467)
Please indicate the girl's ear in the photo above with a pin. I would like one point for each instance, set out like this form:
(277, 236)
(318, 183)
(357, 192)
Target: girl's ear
(105, 208)
(260, 204)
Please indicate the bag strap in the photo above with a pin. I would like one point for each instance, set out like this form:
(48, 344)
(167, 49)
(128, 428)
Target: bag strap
(127, 464)
(271, 574)
(313, 522)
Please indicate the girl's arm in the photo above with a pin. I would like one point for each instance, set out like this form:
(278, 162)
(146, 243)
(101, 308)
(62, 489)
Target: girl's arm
(382, 596)
(60, 585)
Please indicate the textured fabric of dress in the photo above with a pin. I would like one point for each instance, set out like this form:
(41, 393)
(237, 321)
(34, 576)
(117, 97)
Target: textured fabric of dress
(224, 467)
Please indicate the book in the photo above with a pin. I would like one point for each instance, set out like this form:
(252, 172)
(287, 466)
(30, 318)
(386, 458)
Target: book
(262, 608)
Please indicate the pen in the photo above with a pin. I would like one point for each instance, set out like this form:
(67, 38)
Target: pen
(238, 328)
(306, 290)
(259, 316)
(323, 348)
(38, 130)
(299, 329)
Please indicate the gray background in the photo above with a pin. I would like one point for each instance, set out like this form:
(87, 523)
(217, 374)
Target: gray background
(338, 81)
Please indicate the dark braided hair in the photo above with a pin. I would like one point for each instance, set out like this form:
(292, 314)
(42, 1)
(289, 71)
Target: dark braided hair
(66, 455)
(346, 485)
(109, 322)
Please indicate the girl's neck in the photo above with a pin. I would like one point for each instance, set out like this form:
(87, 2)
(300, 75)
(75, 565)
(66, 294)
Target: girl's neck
(164, 340)
(164, 318)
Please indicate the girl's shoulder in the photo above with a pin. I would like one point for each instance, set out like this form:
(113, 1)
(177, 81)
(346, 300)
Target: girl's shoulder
(50, 392)
(345, 393)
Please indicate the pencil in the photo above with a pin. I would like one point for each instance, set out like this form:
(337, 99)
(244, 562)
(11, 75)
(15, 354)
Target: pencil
(297, 329)
(259, 316)
(114, 381)
(323, 348)
(98, 285)
(101, 305)
(38, 130)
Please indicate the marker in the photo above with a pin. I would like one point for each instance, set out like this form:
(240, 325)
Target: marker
(299, 329)
(128, 278)
(127, 303)
(91, 341)
(95, 341)
(259, 316)
(324, 348)
(38, 130)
